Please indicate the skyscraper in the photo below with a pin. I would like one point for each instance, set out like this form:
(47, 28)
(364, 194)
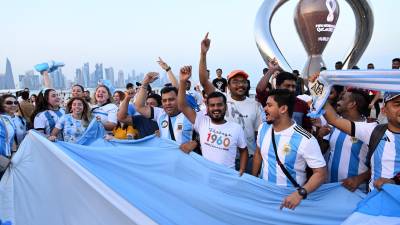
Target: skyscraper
(79, 77)
(8, 77)
(85, 73)
(110, 74)
(29, 80)
(121, 81)
(98, 73)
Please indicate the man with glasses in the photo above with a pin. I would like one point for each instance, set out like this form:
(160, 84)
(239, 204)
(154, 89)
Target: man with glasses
(240, 109)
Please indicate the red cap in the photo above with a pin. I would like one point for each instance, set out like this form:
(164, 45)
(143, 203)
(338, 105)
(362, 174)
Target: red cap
(237, 72)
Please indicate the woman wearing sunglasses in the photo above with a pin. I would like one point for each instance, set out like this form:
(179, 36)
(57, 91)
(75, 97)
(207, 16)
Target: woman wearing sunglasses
(12, 127)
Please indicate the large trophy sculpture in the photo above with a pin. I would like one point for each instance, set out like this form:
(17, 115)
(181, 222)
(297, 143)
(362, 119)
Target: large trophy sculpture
(315, 22)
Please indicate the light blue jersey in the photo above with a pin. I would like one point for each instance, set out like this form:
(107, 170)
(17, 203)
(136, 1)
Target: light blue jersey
(296, 149)
(348, 156)
(385, 162)
(182, 127)
(72, 129)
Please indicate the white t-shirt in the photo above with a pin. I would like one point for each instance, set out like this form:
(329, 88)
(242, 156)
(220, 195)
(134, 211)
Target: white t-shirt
(219, 142)
(248, 114)
(42, 122)
(385, 161)
(107, 113)
(182, 127)
(347, 156)
(296, 149)
(20, 127)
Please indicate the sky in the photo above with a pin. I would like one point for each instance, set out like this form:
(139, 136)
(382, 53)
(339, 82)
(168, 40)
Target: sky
(132, 34)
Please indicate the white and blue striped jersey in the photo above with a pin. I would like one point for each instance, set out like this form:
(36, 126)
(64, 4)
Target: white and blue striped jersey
(182, 127)
(385, 161)
(347, 156)
(296, 149)
(7, 132)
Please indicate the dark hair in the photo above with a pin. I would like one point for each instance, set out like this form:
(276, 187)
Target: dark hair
(25, 95)
(296, 72)
(338, 88)
(361, 98)
(339, 63)
(322, 68)
(396, 60)
(86, 117)
(165, 90)
(355, 68)
(282, 76)
(121, 95)
(216, 94)
(129, 85)
(284, 97)
(156, 97)
(265, 70)
(78, 85)
(42, 103)
(108, 91)
(3, 99)
(218, 69)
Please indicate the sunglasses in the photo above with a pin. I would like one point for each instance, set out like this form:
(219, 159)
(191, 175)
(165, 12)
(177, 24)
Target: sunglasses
(11, 102)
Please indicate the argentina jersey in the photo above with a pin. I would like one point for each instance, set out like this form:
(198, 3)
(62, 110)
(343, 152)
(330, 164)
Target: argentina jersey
(347, 156)
(385, 161)
(296, 149)
(182, 127)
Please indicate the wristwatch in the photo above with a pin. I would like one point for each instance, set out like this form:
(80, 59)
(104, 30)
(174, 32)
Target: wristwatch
(302, 192)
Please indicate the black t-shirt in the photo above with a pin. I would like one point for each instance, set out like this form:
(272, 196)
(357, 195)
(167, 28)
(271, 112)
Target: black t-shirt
(145, 126)
(220, 84)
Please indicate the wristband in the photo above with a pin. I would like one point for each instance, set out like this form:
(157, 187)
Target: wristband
(168, 69)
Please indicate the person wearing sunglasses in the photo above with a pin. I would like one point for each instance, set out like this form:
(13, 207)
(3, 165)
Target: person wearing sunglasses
(12, 127)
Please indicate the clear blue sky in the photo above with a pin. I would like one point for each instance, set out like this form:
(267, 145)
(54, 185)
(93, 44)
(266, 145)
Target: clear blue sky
(131, 34)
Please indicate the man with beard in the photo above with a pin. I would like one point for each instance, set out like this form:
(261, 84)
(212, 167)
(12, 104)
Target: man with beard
(240, 109)
(348, 155)
(285, 149)
(219, 139)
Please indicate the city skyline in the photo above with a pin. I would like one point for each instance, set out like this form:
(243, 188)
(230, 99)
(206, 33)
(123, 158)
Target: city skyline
(134, 34)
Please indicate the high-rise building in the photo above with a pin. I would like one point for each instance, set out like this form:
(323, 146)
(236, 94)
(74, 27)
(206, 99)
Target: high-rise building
(57, 79)
(110, 74)
(9, 78)
(29, 80)
(98, 73)
(121, 81)
(79, 77)
(85, 74)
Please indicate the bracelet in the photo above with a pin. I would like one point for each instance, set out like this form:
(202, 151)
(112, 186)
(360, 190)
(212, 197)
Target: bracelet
(168, 69)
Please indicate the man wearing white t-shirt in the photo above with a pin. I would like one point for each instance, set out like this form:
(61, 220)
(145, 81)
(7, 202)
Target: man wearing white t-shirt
(285, 149)
(385, 158)
(240, 109)
(219, 139)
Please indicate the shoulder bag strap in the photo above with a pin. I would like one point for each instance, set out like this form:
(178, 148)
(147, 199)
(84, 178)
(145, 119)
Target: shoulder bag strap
(284, 170)
(171, 130)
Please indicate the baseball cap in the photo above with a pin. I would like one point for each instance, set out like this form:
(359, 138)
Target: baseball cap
(390, 96)
(237, 72)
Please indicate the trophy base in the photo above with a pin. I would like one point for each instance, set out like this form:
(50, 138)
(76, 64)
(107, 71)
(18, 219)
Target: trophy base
(313, 64)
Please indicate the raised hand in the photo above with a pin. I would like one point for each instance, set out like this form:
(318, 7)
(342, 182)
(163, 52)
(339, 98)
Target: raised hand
(185, 73)
(129, 94)
(162, 64)
(205, 44)
(150, 78)
(274, 65)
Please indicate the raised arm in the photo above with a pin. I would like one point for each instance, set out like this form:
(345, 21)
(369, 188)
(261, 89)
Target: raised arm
(273, 68)
(184, 76)
(140, 103)
(46, 79)
(203, 75)
(333, 119)
(122, 114)
(170, 74)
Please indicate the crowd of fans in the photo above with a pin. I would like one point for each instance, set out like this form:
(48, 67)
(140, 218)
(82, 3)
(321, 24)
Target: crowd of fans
(270, 136)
